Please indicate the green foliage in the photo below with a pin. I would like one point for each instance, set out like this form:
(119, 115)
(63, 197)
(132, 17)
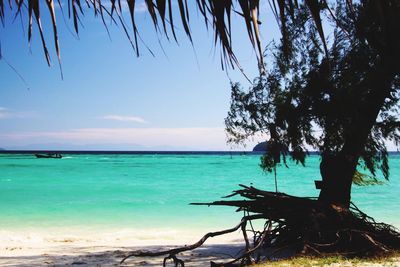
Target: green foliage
(362, 179)
(387, 259)
(308, 101)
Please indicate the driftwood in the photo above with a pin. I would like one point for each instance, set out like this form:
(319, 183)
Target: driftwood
(174, 251)
(301, 225)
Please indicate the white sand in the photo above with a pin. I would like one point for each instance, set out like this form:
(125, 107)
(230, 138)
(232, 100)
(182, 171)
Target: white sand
(58, 247)
(96, 247)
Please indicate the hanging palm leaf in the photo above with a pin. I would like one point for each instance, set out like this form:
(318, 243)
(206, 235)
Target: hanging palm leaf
(216, 13)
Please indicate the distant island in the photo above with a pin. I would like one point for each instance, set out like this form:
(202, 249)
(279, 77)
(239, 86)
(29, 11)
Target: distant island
(260, 147)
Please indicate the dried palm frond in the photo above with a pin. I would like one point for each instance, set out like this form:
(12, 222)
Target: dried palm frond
(215, 12)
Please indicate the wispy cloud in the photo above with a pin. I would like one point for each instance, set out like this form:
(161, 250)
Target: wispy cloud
(6, 113)
(140, 7)
(124, 118)
(204, 138)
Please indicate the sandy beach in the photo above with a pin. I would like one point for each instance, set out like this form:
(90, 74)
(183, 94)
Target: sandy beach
(79, 252)
(107, 249)
(65, 255)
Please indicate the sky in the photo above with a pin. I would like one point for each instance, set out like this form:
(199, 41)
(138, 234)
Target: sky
(109, 98)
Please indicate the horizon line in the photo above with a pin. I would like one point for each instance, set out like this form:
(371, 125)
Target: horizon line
(63, 151)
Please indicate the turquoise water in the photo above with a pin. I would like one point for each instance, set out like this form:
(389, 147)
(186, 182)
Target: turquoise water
(153, 191)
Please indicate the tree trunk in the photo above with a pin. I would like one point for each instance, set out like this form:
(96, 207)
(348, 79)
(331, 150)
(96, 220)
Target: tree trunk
(337, 172)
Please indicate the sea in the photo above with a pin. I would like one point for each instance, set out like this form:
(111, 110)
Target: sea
(149, 194)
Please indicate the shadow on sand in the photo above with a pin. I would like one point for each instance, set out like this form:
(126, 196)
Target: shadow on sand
(84, 256)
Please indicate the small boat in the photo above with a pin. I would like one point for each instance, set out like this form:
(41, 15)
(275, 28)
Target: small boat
(48, 156)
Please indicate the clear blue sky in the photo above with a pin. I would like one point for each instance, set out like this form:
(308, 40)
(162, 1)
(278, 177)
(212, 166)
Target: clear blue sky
(109, 99)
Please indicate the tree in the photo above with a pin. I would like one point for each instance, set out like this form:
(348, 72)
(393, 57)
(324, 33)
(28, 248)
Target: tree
(343, 105)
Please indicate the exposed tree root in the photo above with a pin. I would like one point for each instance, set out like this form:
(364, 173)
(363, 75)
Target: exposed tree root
(175, 251)
(301, 225)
